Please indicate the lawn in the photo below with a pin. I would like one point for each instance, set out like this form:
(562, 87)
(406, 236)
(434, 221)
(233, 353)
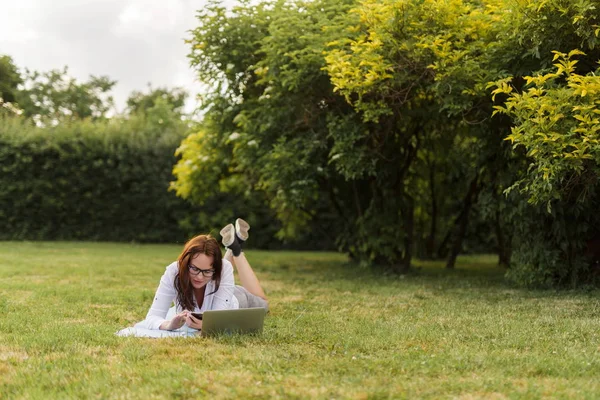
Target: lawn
(334, 331)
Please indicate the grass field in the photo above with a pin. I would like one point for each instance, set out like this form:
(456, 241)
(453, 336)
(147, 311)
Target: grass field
(334, 331)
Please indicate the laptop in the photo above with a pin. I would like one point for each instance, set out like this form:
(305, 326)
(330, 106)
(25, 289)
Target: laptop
(242, 320)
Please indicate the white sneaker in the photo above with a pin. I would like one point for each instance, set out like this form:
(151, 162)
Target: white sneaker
(241, 229)
(227, 235)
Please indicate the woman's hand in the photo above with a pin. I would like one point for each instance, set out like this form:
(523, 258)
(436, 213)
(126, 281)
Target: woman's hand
(193, 322)
(176, 323)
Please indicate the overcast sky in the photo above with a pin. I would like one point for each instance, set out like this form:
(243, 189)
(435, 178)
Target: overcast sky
(132, 41)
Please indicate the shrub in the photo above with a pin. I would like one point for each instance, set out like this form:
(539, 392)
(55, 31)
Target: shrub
(91, 181)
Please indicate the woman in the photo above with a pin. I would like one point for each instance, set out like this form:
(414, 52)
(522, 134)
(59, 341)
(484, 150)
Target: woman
(202, 280)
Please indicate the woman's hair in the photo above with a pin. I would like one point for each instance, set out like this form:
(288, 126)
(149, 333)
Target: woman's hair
(204, 244)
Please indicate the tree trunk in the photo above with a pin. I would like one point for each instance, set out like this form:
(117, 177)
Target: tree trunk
(443, 247)
(463, 221)
(430, 246)
(409, 221)
(408, 212)
(504, 249)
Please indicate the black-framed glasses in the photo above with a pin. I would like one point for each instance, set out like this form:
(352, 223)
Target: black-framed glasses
(205, 272)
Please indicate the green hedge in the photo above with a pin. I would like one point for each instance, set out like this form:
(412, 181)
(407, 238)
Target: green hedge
(91, 181)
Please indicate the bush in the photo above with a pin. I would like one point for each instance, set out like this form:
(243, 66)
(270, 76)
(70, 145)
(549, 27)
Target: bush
(91, 181)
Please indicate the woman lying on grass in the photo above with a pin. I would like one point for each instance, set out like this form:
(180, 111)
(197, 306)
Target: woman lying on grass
(201, 279)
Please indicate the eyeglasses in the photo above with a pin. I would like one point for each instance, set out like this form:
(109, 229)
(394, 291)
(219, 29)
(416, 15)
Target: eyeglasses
(205, 272)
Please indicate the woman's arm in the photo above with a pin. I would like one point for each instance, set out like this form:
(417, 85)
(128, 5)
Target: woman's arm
(175, 323)
(224, 296)
(165, 294)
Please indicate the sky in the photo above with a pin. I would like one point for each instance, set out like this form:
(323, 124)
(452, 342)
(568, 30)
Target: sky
(134, 42)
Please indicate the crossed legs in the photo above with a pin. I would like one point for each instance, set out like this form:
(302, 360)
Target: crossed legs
(246, 274)
(233, 239)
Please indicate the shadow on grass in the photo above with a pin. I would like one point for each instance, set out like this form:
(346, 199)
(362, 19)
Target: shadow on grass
(472, 272)
(481, 270)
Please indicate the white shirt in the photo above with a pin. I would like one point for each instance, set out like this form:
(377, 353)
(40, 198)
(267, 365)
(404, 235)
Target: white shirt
(222, 299)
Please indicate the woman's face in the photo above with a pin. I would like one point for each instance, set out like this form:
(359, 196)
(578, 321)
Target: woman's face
(201, 270)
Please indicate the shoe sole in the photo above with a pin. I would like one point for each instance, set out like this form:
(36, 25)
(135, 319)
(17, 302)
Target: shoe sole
(227, 235)
(242, 228)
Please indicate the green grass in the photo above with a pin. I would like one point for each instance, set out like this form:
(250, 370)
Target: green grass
(334, 331)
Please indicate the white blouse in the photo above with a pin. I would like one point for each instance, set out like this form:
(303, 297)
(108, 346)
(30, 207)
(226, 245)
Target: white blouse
(166, 294)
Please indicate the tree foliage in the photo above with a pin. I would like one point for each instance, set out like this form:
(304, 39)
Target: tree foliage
(91, 180)
(10, 79)
(268, 111)
(557, 123)
(384, 128)
(54, 96)
(553, 52)
(141, 102)
(296, 136)
(375, 120)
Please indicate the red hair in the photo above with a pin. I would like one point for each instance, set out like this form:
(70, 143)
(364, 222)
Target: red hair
(204, 244)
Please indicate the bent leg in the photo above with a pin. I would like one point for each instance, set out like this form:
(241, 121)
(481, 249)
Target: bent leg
(229, 255)
(248, 300)
(247, 277)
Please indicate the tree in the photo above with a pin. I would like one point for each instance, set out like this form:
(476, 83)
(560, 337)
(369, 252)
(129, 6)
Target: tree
(557, 125)
(269, 111)
(420, 70)
(54, 96)
(554, 218)
(142, 102)
(373, 121)
(294, 137)
(10, 79)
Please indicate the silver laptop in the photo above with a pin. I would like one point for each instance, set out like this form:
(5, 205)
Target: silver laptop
(242, 320)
